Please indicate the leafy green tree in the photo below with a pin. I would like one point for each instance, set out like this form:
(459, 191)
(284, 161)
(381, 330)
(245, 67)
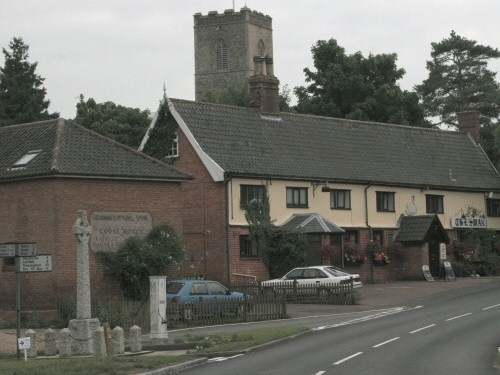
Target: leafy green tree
(237, 95)
(279, 249)
(357, 87)
(122, 124)
(22, 96)
(138, 258)
(459, 79)
(161, 138)
(240, 96)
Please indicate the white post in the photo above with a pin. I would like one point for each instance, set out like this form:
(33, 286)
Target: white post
(158, 308)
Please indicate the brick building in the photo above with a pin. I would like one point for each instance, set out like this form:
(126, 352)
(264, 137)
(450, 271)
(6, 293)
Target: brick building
(50, 170)
(347, 184)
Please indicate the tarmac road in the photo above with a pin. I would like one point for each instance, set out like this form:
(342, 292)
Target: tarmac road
(383, 297)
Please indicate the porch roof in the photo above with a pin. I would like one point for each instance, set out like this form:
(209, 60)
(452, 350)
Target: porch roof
(423, 228)
(311, 223)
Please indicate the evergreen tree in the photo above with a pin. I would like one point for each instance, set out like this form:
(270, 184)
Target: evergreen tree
(459, 79)
(161, 139)
(22, 96)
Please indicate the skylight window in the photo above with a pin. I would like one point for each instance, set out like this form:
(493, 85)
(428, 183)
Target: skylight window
(29, 156)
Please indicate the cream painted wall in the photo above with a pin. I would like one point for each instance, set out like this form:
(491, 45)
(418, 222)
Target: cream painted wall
(319, 202)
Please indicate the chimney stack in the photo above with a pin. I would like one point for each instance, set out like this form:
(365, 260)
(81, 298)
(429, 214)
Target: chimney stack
(468, 122)
(264, 87)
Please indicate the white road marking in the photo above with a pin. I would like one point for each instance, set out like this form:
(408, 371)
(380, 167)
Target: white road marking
(458, 317)
(347, 358)
(320, 373)
(421, 329)
(220, 359)
(491, 307)
(385, 342)
(363, 319)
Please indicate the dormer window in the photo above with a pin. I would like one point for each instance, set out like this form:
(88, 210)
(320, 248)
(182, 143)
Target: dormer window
(29, 156)
(221, 52)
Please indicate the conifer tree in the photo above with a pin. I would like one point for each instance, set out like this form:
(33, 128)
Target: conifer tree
(160, 143)
(22, 96)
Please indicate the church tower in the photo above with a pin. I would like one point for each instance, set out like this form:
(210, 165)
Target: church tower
(230, 48)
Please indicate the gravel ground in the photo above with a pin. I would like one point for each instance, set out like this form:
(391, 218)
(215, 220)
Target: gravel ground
(373, 296)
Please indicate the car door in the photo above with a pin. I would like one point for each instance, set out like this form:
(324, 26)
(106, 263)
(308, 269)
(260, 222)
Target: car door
(313, 276)
(198, 292)
(219, 295)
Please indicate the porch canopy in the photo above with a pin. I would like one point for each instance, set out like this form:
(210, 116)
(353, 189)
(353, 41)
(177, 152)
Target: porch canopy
(423, 228)
(311, 223)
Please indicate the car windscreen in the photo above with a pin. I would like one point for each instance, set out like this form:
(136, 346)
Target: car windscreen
(174, 287)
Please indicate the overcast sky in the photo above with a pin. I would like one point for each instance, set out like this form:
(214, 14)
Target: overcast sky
(124, 50)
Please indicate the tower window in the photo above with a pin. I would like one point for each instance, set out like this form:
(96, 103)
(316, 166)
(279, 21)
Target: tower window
(222, 62)
(261, 49)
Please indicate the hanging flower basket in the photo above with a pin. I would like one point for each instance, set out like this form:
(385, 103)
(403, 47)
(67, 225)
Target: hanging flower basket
(380, 258)
(353, 260)
(352, 256)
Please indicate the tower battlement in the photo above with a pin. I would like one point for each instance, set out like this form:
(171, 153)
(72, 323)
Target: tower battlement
(230, 16)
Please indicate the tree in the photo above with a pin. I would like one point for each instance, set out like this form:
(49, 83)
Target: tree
(240, 96)
(161, 139)
(138, 258)
(279, 249)
(357, 87)
(122, 124)
(459, 79)
(22, 96)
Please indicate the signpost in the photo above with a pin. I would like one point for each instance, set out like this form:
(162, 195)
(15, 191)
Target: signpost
(26, 261)
(24, 343)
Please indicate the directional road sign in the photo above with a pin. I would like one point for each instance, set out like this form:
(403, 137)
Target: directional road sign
(41, 263)
(7, 250)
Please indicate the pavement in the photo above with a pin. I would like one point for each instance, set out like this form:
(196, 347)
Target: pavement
(372, 297)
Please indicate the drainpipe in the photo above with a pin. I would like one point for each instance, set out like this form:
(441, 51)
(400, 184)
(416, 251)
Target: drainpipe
(368, 226)
(366, 210)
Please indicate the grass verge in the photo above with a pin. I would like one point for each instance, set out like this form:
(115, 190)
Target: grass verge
(128, 365)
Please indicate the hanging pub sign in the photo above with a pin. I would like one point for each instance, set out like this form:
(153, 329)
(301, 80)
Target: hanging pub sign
(467, 222)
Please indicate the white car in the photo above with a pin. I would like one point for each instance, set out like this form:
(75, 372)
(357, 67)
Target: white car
(315, 275)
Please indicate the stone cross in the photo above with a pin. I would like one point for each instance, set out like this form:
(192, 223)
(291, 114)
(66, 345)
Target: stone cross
(82, 230)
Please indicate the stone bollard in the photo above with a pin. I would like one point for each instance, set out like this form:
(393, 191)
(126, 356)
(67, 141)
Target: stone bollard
(118, 340)
(99, 343)
(65, 346)
(32, 350)
(50, 342)
(135, 339)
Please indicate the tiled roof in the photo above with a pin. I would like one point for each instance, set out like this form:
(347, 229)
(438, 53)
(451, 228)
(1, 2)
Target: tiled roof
(309, 147)
(70, 149)
(421, 228)
(311, 223)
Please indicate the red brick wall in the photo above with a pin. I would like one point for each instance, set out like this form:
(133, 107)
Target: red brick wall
(44, 211)
(204, 218)
(254, 269)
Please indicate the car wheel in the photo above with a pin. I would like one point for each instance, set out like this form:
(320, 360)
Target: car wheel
(188, 312)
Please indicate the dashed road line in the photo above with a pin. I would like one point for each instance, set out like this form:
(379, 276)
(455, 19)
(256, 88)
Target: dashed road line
(347, 358)
(421, 329)
(385, 342)
(491, 307)
(458, 317)
(320, 373)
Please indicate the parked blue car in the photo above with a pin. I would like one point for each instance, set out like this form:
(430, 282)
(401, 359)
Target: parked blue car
(190, 298)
